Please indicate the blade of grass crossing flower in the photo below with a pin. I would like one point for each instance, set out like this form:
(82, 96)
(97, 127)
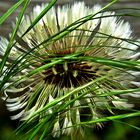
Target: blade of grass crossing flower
(57, 61)
(12, 38)
(78, 23)
(41, 126)
(10, 11)
(125, 8)
(111, 118)
(68, 29)
(123, 64)
(55, 102)
(40, 16)
(46, 130)
(82, 94)
(117, 92)
(120, 64)
(32, 72)
(64, 31)
(131, 41)
(34, 23)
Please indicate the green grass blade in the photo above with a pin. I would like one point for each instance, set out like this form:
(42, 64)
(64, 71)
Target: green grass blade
(67, 30)
(10, 11)
(132, 65)
(118, 92)
(111, 118)
(12, 38)
(40, 16)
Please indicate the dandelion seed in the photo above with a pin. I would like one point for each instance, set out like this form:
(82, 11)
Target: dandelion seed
(56, 130)
(67, 126)
(97, 38)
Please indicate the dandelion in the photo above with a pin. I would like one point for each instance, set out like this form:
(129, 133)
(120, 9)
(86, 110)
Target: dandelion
(75, 63)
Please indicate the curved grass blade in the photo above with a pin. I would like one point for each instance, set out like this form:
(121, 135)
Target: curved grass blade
(58, 36)
(117, 92)
(111, 118)
(132, 65)
(12, 38)
(10, 11)
(40, 16)
(57, 101)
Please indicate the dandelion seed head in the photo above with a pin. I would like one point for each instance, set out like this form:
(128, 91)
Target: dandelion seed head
(96, 38)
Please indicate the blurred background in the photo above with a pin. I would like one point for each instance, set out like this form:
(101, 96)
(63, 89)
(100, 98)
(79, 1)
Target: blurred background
(111, 130)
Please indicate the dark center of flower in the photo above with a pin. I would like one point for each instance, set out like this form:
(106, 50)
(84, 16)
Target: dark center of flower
(70, 74)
